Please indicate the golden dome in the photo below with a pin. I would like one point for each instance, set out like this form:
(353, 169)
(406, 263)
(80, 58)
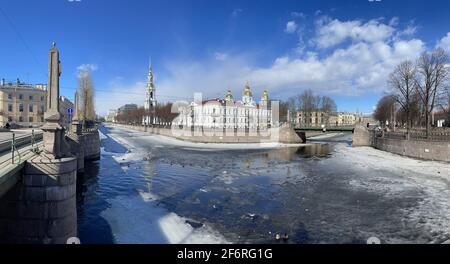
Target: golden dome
(229, 96)
(265, 96)
(247, 91)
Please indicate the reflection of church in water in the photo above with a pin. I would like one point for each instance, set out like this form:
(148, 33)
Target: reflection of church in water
(228, 113)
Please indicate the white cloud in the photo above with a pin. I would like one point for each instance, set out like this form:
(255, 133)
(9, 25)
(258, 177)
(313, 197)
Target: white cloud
(354, 68)
(220, 56)
(445, 42)
(84, 68)
(409, 30)
(394, 21)
(298, 14)
(291, 27)
(334, 32)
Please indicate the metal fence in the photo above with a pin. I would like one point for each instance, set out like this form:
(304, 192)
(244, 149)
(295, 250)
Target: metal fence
(415, 135)
(20, 148)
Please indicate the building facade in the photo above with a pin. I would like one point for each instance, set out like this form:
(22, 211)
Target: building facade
(22, 104)
(319, 118)
(227, 113)
(66, 111)
(343, 119)
(441, 118)
(111, 116)
(316, 118)
(126, 109)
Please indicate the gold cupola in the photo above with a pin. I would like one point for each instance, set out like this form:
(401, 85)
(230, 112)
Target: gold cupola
(247, 91)
(229, 96)
(265, 96)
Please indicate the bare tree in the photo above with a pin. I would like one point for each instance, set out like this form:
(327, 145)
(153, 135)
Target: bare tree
(403, 82)
(307, 105)
(164, 113)
(292, 107)
(284, 108)
(327, 106)
(385, 109)
(432, 69)
(86, 89)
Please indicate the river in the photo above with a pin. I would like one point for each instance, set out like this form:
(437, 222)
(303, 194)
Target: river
(146, 190)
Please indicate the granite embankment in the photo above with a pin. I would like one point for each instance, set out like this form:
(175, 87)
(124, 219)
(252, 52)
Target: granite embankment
(422, 149)
(284, 134)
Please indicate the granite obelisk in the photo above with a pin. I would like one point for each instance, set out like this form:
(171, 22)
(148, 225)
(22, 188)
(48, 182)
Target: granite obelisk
(53, 131)
(76, 125)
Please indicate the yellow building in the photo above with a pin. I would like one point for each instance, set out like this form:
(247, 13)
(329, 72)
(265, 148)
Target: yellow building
(312, 119)
(22, 104)
(343, 119)
(319, 118)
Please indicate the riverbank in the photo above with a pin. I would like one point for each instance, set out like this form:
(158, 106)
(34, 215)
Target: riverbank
(166, 138)
(425, 149)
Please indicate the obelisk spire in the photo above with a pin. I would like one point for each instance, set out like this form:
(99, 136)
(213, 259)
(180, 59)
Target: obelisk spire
(54, 142)
(76, 125)
(75, 106)
(150, 85)
(54, 71)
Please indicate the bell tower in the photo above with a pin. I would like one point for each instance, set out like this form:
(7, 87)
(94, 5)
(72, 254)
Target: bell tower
(150, 99)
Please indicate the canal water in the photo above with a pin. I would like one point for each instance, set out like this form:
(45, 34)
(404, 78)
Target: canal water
(147, 191)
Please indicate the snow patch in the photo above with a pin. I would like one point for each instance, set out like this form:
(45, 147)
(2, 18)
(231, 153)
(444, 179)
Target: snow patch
(325, 136)
(102, 136)
(396, 175)
(140, 219)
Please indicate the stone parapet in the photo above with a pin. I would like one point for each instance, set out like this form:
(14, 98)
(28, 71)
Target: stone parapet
(284, 134)
(76, 143)
(428, 150)
(91, 145)
(362, 137)
(41, 208)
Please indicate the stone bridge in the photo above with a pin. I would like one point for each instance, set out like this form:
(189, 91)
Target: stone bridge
(38, 175)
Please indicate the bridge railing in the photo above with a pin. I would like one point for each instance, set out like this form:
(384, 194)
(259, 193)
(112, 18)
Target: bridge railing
(21, 149)
(89, 129)
(5, 145)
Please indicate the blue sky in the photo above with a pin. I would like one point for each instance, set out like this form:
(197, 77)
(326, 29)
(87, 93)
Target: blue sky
(341, 48)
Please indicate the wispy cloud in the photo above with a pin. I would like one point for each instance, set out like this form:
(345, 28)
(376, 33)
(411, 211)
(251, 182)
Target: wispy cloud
(236, 12)
(291, 27)
(445, 42)
(298, 14)
(85, 68)
(220, 56)
(359, 56)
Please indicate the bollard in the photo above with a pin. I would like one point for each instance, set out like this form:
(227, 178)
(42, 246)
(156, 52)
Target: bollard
(32, 139)
(12, 147)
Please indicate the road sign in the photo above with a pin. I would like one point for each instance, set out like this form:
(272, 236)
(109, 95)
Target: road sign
(70, 110)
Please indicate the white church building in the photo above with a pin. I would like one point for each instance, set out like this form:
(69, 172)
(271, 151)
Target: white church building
(227, 113)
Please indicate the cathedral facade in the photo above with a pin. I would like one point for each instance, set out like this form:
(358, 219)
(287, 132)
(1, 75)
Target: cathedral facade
(226, 113)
